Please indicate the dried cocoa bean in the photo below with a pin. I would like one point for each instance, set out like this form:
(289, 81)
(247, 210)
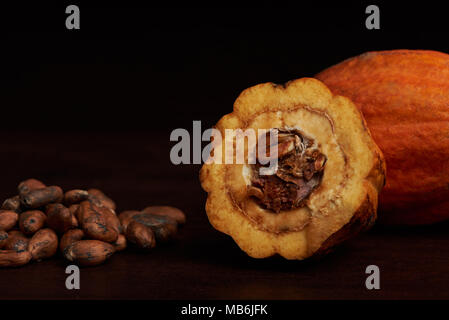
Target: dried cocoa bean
(100, 199)
(43, 244)
(12, 204)
(16, 241)
(74, 211)
(98, 222)
(140, 235)
(30, 185)
(70, 237)
(12, 258)
(3, 238)
(31, 221)
(74, 220)
(8, 219)
(120, 244)
(89, 252)
(75, 196)
(125, 218)
(163, 227)
(41, 197)
(59, 218)
(168, 211)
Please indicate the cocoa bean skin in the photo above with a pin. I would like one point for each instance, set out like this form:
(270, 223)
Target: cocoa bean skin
(41, 197)
(12, 204)
(31, 221)
(8, 219)
(70, 237)
(168, 211)
(74, 210)
(163, 227)
(75, 196)
(125, 218)
(74, 221)
(140, 235)
(89, 252)
(3, 238)
(43, 244)
(30, 185)
(98, 223)
(100, 199)
(11, 258)
(59, 218)
(16, 241)
(121, 243)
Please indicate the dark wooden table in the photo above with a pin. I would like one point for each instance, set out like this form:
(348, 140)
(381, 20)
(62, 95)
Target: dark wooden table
(134, 169)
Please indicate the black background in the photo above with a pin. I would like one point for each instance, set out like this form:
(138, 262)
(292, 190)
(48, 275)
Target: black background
(95, 107)
(138, 68)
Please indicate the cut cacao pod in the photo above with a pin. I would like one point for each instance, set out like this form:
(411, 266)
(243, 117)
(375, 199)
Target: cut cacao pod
(326, 185)
(404, 97)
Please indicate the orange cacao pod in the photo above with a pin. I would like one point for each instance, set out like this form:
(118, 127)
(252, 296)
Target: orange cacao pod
(404, 97)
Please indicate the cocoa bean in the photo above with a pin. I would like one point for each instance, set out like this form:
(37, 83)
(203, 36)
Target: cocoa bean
(8, 219)
(59, 218)
(125, 218)
(16, 241)
(89, 252)
(74, 211)
(12, 258)
(12, 204)
(168, 211)
(30, 185)
(41, 197)
(120, 243)
(43, 244)
(74, 221)
(98, 222)
(3, 238)
(163, 227)
(75, 196)
(140, 235)
(100, 199)
(70, 237)
(31, 221)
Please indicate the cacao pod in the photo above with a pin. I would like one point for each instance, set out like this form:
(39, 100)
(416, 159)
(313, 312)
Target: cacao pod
(404, 97)
(326, 182)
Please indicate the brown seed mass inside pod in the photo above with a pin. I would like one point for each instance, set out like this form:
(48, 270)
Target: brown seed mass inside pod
(300, 169)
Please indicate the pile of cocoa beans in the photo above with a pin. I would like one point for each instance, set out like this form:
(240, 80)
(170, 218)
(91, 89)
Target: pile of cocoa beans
(81, 223)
